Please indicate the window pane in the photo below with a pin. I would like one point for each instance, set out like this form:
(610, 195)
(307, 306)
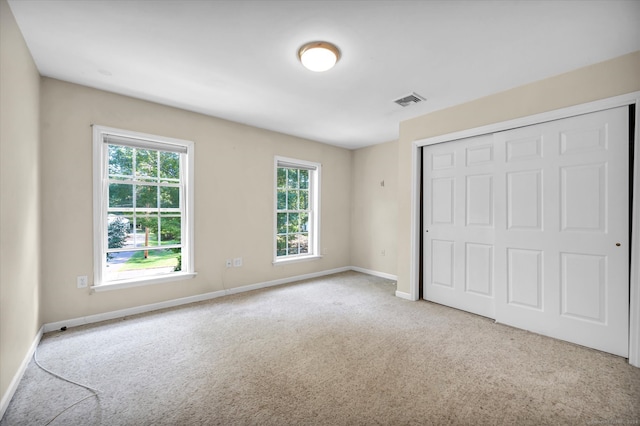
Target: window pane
(169, 198)
(292, 244)
(293, 223)
(304, 179)
(120, 162)
(304, 200)
(129, 242)
(115, 262)
(282, 223)
(292, 200)
(120, 195)
(147, 230)
(303, 240)
(282, 199)
(169, 166)
(292, 178)
(146, 197)
(304, 222)
(118, 228)
(147, 164)
(132, 264)
(137, 235)
(282, 177)
(170, 231)
(282, 245)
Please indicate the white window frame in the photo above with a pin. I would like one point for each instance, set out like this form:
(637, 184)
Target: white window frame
(314, 202)
(101, 200)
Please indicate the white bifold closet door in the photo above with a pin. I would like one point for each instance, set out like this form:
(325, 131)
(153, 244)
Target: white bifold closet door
(531, 227)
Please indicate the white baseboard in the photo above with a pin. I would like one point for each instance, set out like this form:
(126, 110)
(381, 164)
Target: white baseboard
(403, 295)
(13, 386)
(75, 322)
(375, 273)
(400, 294)
(286, 280)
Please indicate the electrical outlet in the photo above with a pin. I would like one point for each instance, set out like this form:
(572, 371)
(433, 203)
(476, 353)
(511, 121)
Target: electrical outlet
(383, 252)
(237, 262)
(82, 281)
(228, 263)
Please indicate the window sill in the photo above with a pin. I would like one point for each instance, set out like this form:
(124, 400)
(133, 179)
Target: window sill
(120, 284)
(296, 259)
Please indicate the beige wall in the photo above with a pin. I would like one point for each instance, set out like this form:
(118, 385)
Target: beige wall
(614, 77)
(233, 198)
(374, 211)
(19, 205)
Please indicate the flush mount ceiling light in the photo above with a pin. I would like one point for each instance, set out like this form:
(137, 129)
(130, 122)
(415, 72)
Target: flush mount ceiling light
(319, 56)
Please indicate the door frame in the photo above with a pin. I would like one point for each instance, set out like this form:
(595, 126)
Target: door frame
(613, 102)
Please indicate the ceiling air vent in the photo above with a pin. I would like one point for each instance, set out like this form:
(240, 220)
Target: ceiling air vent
(411, 99)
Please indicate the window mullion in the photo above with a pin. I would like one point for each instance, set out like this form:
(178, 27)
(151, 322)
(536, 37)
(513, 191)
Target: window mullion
(185, 242)
(142, 248)
(158, 198)
(105, 202)
(143, 183)
(134, 203)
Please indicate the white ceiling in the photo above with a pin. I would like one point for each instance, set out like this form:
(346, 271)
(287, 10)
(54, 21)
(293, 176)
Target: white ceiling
(237, 59)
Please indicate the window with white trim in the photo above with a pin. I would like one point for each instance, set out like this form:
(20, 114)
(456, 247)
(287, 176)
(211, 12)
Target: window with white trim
(297, 206)
(143, 208)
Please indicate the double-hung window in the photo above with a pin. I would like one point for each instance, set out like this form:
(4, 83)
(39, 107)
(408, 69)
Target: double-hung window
(297, 201)
(143, 208)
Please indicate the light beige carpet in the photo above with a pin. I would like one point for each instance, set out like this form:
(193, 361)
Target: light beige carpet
(338, 350)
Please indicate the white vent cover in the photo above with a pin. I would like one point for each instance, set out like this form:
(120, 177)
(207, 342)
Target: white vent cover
(411, 99)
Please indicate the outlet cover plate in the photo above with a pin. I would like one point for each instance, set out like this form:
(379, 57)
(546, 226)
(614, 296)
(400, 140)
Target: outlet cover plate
(82, 281)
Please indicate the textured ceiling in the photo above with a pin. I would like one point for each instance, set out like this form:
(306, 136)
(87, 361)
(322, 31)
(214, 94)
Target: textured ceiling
(237, 59)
